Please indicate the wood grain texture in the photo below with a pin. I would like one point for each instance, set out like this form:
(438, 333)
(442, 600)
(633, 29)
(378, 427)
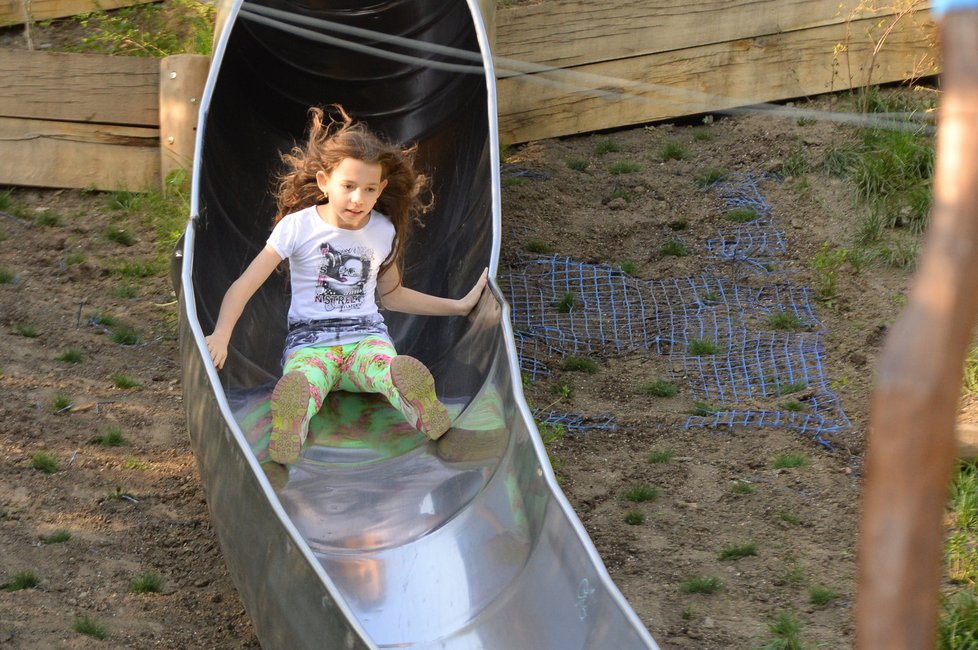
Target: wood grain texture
(13, 12)
(703, 79)
(79, 87)
(60, 154)
(182, 79)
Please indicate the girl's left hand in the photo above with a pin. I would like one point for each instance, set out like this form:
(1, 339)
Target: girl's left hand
(471, 299)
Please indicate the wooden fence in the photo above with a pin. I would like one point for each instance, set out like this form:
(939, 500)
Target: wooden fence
(117, 122)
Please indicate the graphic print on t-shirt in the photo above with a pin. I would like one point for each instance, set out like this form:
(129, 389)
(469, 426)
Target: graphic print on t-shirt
(342, 275)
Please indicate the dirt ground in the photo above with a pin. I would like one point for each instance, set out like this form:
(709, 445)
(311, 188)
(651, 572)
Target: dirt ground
(138, 507)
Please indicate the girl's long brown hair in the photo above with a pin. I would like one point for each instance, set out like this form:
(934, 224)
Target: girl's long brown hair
(406, 197)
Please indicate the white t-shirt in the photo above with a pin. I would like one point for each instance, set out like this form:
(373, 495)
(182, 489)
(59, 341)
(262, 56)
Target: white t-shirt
(334, 277)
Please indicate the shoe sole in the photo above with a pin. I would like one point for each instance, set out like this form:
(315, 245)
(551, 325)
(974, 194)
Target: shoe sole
(416, 385)
(290, 405)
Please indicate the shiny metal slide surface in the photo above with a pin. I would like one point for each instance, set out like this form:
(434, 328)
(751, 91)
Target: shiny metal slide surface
(378, 537)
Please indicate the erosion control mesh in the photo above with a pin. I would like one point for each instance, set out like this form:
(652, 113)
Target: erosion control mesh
(747, 339)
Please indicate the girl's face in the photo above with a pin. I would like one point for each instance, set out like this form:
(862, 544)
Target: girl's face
(353, 189)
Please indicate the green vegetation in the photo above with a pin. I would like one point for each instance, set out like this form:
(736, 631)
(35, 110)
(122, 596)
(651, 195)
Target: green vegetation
(710, 176)
(703, 134)
(149, 582)
(577, 164)
(738, 551)
(125, 382)
(641, 493)
(795, 165)
(677, 225)
(124, 334)
(6, 275)
(73, 259)
(23, 580)
(57, 537)
(628, 267)
(657, 456)
(622, 194)
(785, 321)
(744, 487)
(125, 290)
(660, 388)
(957, 628)
(673, 150)
(674, 247)
(91, 627)
(104, 320)
(704, 410)
(119, 236)
(135, 464)
(742, 215)
(154, 30)
(820, 595)
(550, 433)
(789, 517)
(27, 330)
(48, 218)
(581, 364)
(793, 406)
(634, 518)
(60, 402)
(826, 265)
(789, 461)
(71, 355)
(702, 585)
(114, 437)
(537, 246)
(624, 167)
(565, 304)
(701, 347)
(788, 389)
(786, 630)
(42, 461)
(606, 146)
(135, 270)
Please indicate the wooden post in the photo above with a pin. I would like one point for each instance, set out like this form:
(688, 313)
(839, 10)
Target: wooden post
(182, 79)
(911, 447)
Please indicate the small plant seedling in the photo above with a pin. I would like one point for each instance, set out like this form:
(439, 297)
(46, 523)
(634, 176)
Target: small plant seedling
(793, 406)
(786, 630)
(563, 390)
(74, 259)
(515, 181)
(125, 290)
(124, 334)
(7, 276)
(710, 176)
(701, 347)
(703, 409)
(71, 355)
(634, 518)
(703, 134)
(581, 364)
(48, 219)
(795, 165)
(628, 267)
(104, 320)
(90, 627)
(657, 456)
(673, 150)
(675, 248)
(624, 167)
(125, 382)
(744, 487)
(622, 194)
(577, 164)
(57, 537)
(702, 585)
(114, 437)
(123, 200)
(5, 199)
(42, 461)
(566, 303)
(641, 493)
(135, 270)
(27, 331)
(742, 215)
(958, 625)
(738, 551)
(676, 225)
(689, 613)
(23, 580)
(60, 402)
(827, 264)
(136, 464)
(805, 121)
(819, 595)
(119, 236)
(660, 388)
(785, 321)
(606, 146)
(789, 389)
(537, 246)
(789, 517)
(149, 582)
(789, 461)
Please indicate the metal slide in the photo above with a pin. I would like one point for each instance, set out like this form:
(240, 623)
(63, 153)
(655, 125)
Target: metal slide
(377, 537)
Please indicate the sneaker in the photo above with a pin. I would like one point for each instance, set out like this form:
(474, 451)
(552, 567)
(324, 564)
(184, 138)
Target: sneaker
(290, 417)
(417, 388)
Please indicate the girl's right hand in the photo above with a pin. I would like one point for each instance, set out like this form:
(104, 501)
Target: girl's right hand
(218, 347)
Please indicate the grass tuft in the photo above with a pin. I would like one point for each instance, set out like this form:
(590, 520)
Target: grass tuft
(565, 304)
(57, 537)
(706, 178)
(658, 456)
(789, 461)
(124, 334)
(537, 246)
(7, 276)
(120, 236)
(641, 493)
(125, 382)
(702, 585)
(742, 215)
(744, 487)
(90, 627)
(23, 580)
(785, 321)
(628, 267)
(701, 347)
(27, 331)
(114, 437)
(958, 625)
(48, 219)
(674, 247)
(820, 596)
(660, 388)
(42, 461)
(786, 630)
(673, 150)
(606, 146)
(738, 551)
(577, 164)
(71, 355)
(789, 389)
(581, 364)
(60, 402)
(149, 582)
(634, 518)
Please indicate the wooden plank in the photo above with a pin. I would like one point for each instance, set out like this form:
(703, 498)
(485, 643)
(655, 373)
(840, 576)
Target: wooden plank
(182, 79)
(704, 79)
(567, 33)
(60, 154)
(79, 87)
(13, 12)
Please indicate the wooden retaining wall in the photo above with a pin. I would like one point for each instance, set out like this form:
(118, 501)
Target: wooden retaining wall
(121, 123)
